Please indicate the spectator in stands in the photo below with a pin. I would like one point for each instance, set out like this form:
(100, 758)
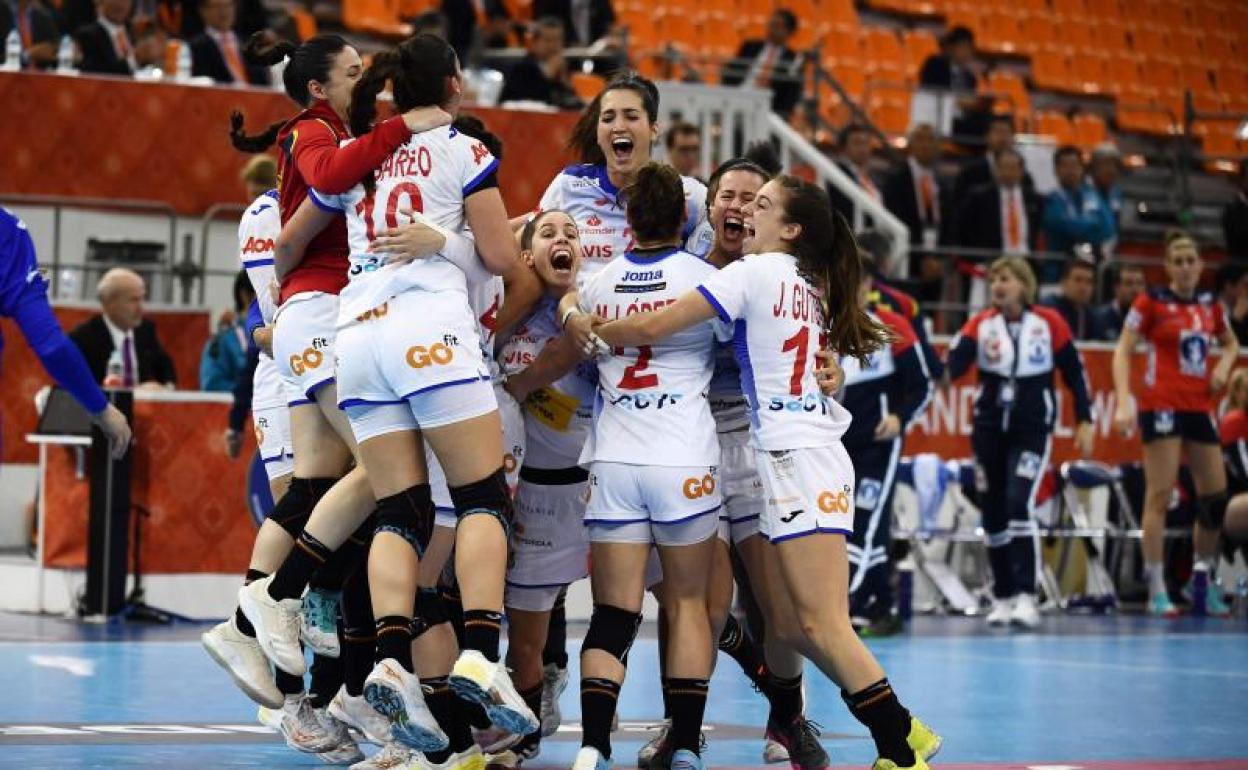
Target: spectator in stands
(1104, 171)
(1235, 218)
(585, 22)
(1074, 300)
(105, 43)
(1128, 284)
(1002, 215)
(542, 74)
(770, 63)
(953, 69)
(684, 148)
(913, 194)
(1072, 213)
(854, 144)
(217, 52)
(121, 327)
(36, 23)
(1230, 284)
(982, 170)
(462, 25)
(150, 44)
(225, 355)
(433, 23)
(250, 17)
(169, 15)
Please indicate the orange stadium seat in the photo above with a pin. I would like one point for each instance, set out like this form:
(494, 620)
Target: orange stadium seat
(1105, 9)
(1051, 69)
(374, 17)
(1076, 35)
(1016, 100)
(305, 22)
(1036, 33)
(1089, 130)
(840, 12)
(1054, 124)
(890, 114)
(1091, 72)
(918, 44)
(999, 33)
(884, 57)
(1112, 36)
(1144, 119)
(1075, 8)
(1223, 153)
(587, 86)
(843, 45)
(1124, 75)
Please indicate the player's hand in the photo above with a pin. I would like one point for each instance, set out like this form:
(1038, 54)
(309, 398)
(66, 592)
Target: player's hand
(409, 242)
(275, 292)
(830, 376)
(113, 423)
(1085, 439)
(1124, 417)
(263, 337)
(233, 443)
(1218, 378)
(423, 119)
(889, 428)
(580, 327)
(516, 388)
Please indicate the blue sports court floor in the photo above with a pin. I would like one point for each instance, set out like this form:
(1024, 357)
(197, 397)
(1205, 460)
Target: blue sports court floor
(1087, 694)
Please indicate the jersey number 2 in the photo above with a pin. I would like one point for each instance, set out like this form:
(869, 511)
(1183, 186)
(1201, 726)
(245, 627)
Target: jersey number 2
(633, 378)
(365, 207)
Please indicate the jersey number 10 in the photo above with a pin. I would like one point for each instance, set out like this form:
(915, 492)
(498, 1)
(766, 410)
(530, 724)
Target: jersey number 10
(364, 209)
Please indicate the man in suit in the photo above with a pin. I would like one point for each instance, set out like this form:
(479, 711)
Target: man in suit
(953, 69)
(982, 170)
(770, 63)
(913, 194)
(217, 52)
(855, 146)
(1003, 215)
(1074, 301)
(542, 74)
(120, 326)
(585, 22)
(106, 45)
(36, 24)
(1128, 284)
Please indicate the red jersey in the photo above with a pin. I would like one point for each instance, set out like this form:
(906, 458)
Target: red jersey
(1180, 333)
(311, 157)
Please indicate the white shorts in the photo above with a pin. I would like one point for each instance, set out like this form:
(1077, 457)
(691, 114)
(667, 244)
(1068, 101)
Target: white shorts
(268, 389)
(513, 456)
(471, 399)
(744, 499)
(549, 548)
(272, 426)
(808, 490)
(409, 349)
(652, 503)
(303, 344)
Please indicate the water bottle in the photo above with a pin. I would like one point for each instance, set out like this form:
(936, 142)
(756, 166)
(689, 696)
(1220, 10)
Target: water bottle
(13, 51)
(65, 57)
(1200, 589)
(183, 73)
(113, 378)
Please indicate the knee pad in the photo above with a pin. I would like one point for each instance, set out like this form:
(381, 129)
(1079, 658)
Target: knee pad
(292, 512)
(612, 630)
(430, 611)
(1211, 510)
(489, 496)
(409, 514)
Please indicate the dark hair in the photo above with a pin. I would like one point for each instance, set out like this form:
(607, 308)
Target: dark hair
(733, 164)
(790, 19)
(1127, 267)
(1003, 118)
(242, 284)
(1011, 151)
(874, 246)
(1227, 273)
(828, 256)
(1065, 151)
(655, 203)
(849, 130)
(252, 143)
(530, 227)
(584, 138)
(471, 125)
(310, 60)
(1071, 265)
(548, 22)
(765, 155)
(680, 128)
(429, 20)
(419, 68)
(958, 34)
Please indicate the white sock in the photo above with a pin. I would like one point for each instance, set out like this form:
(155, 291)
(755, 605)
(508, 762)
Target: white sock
(1155, 574)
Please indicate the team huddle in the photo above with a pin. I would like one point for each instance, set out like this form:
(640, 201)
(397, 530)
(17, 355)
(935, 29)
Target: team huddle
(461, 414)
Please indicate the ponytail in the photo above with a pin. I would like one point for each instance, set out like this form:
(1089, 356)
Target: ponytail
(255, 51)
(363, 109)
(251, 143)
(310, 60)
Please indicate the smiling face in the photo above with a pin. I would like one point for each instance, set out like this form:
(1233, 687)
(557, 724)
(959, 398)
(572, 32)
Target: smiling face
(765, 225)
(556, 251)
(625, 132)
(342, 78)
(736, 190)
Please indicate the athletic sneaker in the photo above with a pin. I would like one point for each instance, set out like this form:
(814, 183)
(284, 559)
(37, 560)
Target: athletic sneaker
(395, 693)
(686, 760)
(589, 758)
(470, 758)
(654, 745)
(270, 718)
(277, 625)
(1159, 605)
(801, 738)
(347, 752)
(241, 657)
(513, 758)
(923, 741)
(1026, 613)
(774, 753)
(474, 678)
(494, 739)
(888, 764)
(319, 622)
(882, 627)
(363, 718)
(393, 756)
(301, 729)
(1215, 604)
(666, 754)
(554, 682)
(1002, 611)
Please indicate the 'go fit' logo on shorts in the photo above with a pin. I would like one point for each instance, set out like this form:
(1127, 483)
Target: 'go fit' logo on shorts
(834, 502)
(695, 488)
(438, 354)
(311, 358)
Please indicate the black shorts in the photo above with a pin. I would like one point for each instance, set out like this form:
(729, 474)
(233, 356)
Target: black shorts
(1197, 427)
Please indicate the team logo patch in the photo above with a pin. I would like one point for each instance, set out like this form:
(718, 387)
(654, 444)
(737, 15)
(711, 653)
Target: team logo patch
(1163, 422)
(835, 502)
(869, 491)
(1193, 353)
(1028, 465)
(437, 354)
(695, 488)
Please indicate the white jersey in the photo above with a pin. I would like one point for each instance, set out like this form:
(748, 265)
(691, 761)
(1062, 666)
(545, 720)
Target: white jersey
(778, 324)
(257, 231)
(431, 173)
(556, 417)
(651, 407)
(486, 297)
(585, 192)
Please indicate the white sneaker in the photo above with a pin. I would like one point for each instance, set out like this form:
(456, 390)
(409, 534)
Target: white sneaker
(395, 693)
(302, 730)
(270, 718)
(277, 625)
(653, 745)
(470, 758)
(347, 751)
(241, 657)
(554, 682)
(774, 753)
(393, 756)
(319, 622)
(589, 758)
(476, 679)
(1026, 613)
(1002, 611)
(357, 714)
(512, 758)
(494, 739)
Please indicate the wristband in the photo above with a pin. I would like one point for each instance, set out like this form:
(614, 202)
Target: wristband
(563, 321)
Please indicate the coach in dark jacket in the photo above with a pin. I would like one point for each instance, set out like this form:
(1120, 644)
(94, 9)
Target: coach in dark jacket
(217, 52)
(39, 43)
(1003, 215)
(106, 45)
(770, 63)
(121, 327)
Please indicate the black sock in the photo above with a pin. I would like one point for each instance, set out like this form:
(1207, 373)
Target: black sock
(359, 647)
(476, 716)
(556, 649)
(661, 633)
(394, 640)
(287, 684)
(748, 654)
(308, 555)
(688, 699)
(877, 707)
(1001, 563)
(785, 697)
(454, 611)
(327, 677)
(481, 632)
(240, 620)
(667, 701)
(443, 705)
(533, 699)
(598, 700)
